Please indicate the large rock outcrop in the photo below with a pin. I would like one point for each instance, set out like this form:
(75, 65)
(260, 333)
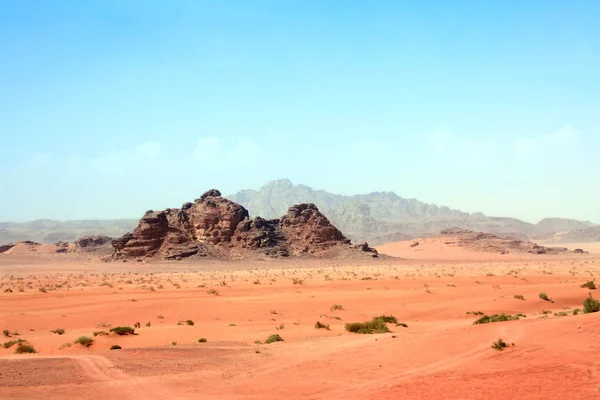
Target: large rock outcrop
(215, 226)
(480, 241)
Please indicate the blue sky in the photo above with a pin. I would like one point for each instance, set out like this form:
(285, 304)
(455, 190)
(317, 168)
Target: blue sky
(110, 108)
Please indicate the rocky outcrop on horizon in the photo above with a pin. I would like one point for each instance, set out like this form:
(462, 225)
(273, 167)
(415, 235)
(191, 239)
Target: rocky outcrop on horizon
(486, 242)
(383, 217)
(213, 226)
(377, 218)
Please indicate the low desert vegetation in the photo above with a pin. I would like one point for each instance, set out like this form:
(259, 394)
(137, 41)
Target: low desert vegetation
(544, 296)
(58, 331)
(589, 285)
(499, 345)
(274, 338)
(115, 347)
(202, 340)
(123, 330)
(475, 313)
(84, 341)
(336, 307)
(376, 325)
(297, 281)
(486, 319)
(591, 305)
(24, 349)
(320, 325)
(519, 297)
(100, 333)
(11, 343)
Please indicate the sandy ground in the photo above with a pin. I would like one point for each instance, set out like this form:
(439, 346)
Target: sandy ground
(441, 354)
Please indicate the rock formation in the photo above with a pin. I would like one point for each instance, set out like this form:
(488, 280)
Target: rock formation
(215, 226)
(480, 241)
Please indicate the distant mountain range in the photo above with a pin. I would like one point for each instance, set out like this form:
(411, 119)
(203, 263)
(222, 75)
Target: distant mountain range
(382, 217)
(377, 218)
(51, 231)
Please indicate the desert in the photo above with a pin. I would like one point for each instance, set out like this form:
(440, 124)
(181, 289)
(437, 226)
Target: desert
(299, 200)
(201, 327)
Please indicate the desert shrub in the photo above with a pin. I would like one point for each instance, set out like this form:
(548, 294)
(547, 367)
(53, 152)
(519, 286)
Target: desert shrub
(115, 347)
(336, 307)
(25, 348)
(123, 330)
(589, 285)
(202, 340)
(58, 331)
(544, 296)
(376, 325)
(486, 319)
(519, 297)
(576, 311)
(100, 333)
(297, 281)
(591, 305)
(148, 324)
(320, 325)
(190, 322)
(402, 324)
(11, 343)
(136, 325)
(84, 341)
(62, 346)
(213, 291)
(475, 312)
(274, 338)
(499, 345)
(388, 319)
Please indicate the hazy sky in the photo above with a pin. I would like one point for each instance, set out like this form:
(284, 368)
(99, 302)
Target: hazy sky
(110, 108)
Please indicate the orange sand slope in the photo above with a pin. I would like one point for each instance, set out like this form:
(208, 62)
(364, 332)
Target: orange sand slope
(439, 354)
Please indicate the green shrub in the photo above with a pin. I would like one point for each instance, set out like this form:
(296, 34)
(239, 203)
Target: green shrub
(11, 343)
(544, 296)
(336, 307)
(297, 281)
(376, 325)
(274, 338)
(591, 305)
(499, 345)
(58, 331)
(486, 319)
(388, 319)
(25, 348)
(123, 330)
(320, 325)
(100, 333)
(589, 285)
(84, 341)
(115, 347)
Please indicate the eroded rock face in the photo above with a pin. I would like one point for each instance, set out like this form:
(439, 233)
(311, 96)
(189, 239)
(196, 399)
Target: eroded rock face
(504, 245)
(215, 226)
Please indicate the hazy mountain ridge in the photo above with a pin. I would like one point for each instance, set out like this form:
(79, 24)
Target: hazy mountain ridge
(51, 231)
(377, 217)
(381, 217)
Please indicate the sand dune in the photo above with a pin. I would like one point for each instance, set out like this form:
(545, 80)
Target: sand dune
(440, 354)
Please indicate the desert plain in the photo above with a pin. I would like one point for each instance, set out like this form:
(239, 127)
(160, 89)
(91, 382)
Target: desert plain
(433, 350)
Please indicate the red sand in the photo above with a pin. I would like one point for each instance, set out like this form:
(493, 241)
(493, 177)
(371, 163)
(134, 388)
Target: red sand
(441, 354)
